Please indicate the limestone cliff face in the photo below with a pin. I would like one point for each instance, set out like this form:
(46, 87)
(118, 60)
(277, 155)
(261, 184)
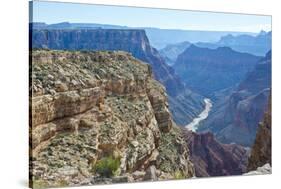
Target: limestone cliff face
(133, 41)
(184, 104)
(261, 150)
(88, 108)
(212, 158)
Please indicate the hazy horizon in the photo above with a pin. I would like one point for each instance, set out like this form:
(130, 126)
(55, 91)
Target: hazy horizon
(58, 12)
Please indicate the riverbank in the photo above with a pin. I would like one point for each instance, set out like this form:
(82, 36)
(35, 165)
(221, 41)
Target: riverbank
(193, 126)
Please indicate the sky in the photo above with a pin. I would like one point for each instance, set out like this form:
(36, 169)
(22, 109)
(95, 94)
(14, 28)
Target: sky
(55, 12)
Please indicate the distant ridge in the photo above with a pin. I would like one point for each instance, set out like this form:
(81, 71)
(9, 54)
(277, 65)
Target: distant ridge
(158, 37)
(207, 70)
(257, 45)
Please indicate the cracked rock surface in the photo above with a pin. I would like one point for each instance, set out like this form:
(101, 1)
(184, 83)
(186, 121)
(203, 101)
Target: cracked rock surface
(100, 117)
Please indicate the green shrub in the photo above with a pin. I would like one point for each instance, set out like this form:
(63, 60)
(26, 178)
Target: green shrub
(179, 175)
(107, 166)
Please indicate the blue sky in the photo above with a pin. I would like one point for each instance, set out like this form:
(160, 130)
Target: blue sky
(54, 12)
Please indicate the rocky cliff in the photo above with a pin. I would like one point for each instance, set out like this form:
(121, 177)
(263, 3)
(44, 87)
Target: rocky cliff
(212, 158)
(238, 117)
(184, 104)
(100, 117)
(261, 150)
(207, 71)
(133, 41)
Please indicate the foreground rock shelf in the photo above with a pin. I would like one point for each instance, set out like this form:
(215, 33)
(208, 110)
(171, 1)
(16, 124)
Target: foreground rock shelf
(100, 117)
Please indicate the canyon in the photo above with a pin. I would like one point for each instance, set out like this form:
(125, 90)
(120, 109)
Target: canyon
(207, 71)
(107, 107)
(184, 103)
(238, 116)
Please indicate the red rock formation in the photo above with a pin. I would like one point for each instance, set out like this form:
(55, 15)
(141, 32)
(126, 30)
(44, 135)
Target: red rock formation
(212, 158)
(261, 150)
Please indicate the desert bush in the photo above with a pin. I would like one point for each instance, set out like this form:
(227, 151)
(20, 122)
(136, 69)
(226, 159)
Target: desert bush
(179, 175)
(107, 166)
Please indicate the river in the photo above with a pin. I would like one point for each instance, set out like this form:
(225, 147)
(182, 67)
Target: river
(193, 126)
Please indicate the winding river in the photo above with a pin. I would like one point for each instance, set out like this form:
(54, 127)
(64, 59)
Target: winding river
(193, 126)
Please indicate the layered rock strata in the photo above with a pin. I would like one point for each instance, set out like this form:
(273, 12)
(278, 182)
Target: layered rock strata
(184, 104)
(88, 108)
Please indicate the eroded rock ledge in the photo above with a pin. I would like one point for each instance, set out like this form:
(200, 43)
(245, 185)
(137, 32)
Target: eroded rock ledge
(212, 158)
(261, 151)
(89, 106)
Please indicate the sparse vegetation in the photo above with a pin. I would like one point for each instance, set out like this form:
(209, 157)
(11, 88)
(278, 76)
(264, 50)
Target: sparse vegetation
(179, 175)
(123, 120)
(107, 166)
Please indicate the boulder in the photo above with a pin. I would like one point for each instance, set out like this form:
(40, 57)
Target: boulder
(150, 173)
(138, 175)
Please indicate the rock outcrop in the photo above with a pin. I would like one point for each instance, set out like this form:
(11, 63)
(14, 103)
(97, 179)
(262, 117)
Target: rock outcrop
(265, 169)
(261, 150)
(184, 104)
(238, 117)
(100, 117)
(212, 158)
